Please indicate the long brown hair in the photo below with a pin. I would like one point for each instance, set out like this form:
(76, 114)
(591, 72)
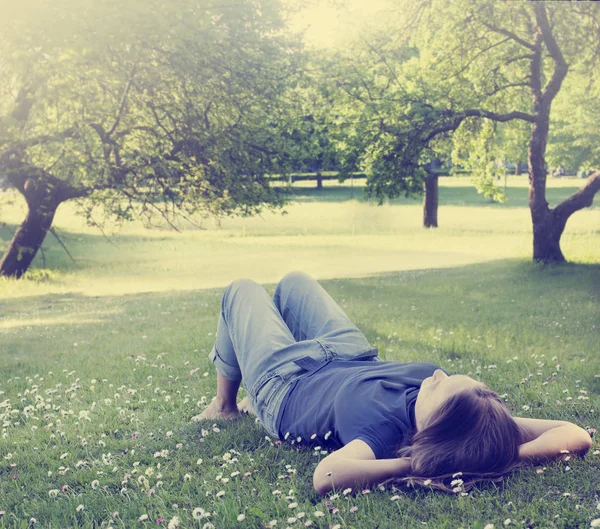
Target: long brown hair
(471, 437)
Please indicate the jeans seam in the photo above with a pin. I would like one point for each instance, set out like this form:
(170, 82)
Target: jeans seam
(291, 313)
(225, 318)
(329, 354)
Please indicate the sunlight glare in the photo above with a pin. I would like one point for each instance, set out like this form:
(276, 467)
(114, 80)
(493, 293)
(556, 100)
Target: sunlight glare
(329, 24)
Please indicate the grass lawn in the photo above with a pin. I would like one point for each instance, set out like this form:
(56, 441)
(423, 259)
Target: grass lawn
(104, 361)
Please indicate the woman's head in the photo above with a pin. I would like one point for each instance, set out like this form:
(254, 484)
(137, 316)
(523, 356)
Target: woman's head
(437, 389)
(462, 426)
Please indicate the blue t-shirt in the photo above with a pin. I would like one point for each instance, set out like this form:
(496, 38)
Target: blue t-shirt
(371, 401)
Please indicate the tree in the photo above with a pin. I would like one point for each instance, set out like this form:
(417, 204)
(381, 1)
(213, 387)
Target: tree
(141, 109)
(449, 64)
(383, 110)
(388, 106)
(492, 55)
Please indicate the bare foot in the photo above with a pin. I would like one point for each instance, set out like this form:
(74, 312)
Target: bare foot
(216, 410)
(245, 407)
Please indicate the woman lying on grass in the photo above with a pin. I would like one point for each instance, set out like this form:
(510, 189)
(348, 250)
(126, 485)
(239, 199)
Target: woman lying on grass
(312, 378)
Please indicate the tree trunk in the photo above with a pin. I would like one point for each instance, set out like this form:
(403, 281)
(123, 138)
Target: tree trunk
(546, 239)
(546, 235)
(517, 167)
(430, 202)
(548, 224)
(28, 238)
(319, 180)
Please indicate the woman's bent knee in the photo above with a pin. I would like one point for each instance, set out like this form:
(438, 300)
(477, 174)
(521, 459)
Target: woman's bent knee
(293, 279)
(240, 285)
(244, 286)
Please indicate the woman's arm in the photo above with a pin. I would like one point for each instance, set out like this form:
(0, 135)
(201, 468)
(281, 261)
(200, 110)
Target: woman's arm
(545, 440)
(355, 465)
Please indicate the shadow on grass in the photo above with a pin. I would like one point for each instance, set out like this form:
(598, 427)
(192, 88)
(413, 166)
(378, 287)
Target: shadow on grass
(481, 298)
(88, 249)
(495, 275)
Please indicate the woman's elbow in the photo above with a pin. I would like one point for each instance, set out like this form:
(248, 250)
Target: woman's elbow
(320, 485)
(579, 441)
(584, 445)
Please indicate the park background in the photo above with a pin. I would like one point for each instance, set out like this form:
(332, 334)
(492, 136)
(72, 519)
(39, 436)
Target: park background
(104, 339)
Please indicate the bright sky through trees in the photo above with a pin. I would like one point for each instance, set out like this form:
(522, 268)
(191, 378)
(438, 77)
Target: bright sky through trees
(329, 23)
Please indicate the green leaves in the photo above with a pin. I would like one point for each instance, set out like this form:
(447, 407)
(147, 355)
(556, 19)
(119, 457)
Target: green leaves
(175, 105)
(146, 108)
(474, 148)
(404, 91)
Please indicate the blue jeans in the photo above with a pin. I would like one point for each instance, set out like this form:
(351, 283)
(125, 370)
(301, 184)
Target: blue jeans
(268, 343)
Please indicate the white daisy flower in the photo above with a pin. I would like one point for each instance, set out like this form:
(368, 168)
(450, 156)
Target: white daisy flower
(198, 513)
(174, 523)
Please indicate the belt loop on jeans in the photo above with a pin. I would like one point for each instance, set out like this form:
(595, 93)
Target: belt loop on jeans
(308, 363)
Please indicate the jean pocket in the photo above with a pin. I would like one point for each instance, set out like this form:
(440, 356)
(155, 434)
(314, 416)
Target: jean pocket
(264, 389)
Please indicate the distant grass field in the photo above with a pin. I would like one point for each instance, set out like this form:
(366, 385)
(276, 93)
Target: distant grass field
(104, 362)
(325, 232)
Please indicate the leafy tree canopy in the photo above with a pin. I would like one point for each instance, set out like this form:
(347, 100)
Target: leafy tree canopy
(143, 107)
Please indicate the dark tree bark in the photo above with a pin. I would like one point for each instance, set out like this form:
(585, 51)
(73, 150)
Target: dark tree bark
(547, 224)
(548, 231)
(319, 180)
(29, 237)
(546, 240)
(43, 193)
(430, 201)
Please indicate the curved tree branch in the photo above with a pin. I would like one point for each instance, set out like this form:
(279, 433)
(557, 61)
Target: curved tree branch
(474, 58)
(583, 198)
(494, 116)
(510, 35)
(32, 181)
(560, 65)
(123, 101)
